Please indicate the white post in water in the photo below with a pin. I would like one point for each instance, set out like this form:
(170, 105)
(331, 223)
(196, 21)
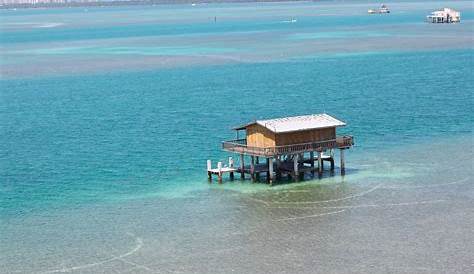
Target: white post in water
(219, 171)
(209, 173)
(295, 167)
(231, 165)
(209, 165)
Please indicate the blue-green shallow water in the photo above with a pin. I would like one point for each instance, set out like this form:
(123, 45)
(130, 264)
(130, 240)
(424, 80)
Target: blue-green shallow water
(107, 118)
(70, 140)
(206, 27)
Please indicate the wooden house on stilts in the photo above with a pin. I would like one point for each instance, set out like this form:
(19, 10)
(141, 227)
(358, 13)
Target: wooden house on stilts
(291, 146)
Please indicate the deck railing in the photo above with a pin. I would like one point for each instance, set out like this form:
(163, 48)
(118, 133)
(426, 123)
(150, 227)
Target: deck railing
(240, 146)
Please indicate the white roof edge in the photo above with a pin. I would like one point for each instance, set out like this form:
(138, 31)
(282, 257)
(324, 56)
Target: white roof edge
(300, 123)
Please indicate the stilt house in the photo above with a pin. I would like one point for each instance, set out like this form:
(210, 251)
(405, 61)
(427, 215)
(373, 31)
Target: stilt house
(284, 142)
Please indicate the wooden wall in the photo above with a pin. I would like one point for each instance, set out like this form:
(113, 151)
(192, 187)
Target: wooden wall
(307, 136)
(258, 136)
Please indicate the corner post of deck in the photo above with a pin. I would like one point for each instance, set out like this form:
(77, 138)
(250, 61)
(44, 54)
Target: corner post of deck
(252, 168)
(209, 172)
(242, 167)
(231, 165)
(295, 167)
(331, 153)
(343, 166)
(267, 163)
(219, 172)
(270, 171)
(320, 163)
(278, 166)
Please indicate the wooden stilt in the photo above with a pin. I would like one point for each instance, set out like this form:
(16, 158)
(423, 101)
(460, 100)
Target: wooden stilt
(295, 167)
(231, 165)
(257, 175)
(219, 170)
(278, 165)
(252, 168)
(242, 167)
(343, 167)
(331, 153)
(311, 160)
(320, 164)
(270, 171)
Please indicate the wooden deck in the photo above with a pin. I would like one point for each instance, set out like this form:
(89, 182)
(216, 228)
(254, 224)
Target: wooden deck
(223, 170)
(286, 168)
(240, 146)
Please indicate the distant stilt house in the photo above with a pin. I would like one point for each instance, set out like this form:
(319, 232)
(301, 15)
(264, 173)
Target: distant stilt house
(445, 15)
(290, 146)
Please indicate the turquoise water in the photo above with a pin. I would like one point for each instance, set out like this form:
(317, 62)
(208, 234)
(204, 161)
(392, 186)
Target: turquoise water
(116, 134)
(99, 136)
(116, 110)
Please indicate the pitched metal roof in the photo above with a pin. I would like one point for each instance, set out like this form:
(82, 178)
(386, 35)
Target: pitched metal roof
(297, 123)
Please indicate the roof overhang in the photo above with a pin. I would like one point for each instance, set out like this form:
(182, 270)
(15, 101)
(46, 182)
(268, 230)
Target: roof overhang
(297, 123)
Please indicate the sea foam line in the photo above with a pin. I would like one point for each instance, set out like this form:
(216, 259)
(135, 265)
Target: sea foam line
(319, 202)
(426, 186)
(363, 206)
(139, 244)
(309, 216)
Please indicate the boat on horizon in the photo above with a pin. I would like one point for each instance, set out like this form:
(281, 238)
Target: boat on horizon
(383, 9)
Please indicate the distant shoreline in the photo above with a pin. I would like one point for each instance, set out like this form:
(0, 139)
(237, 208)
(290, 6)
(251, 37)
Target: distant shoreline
(135, 3)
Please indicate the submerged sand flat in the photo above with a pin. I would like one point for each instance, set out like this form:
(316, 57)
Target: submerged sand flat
(416, 222)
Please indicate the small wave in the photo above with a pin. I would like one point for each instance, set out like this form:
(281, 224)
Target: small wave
(48, 25)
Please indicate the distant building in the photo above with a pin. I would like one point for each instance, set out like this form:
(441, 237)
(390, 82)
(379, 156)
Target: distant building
(383, 9)
(445, 15)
